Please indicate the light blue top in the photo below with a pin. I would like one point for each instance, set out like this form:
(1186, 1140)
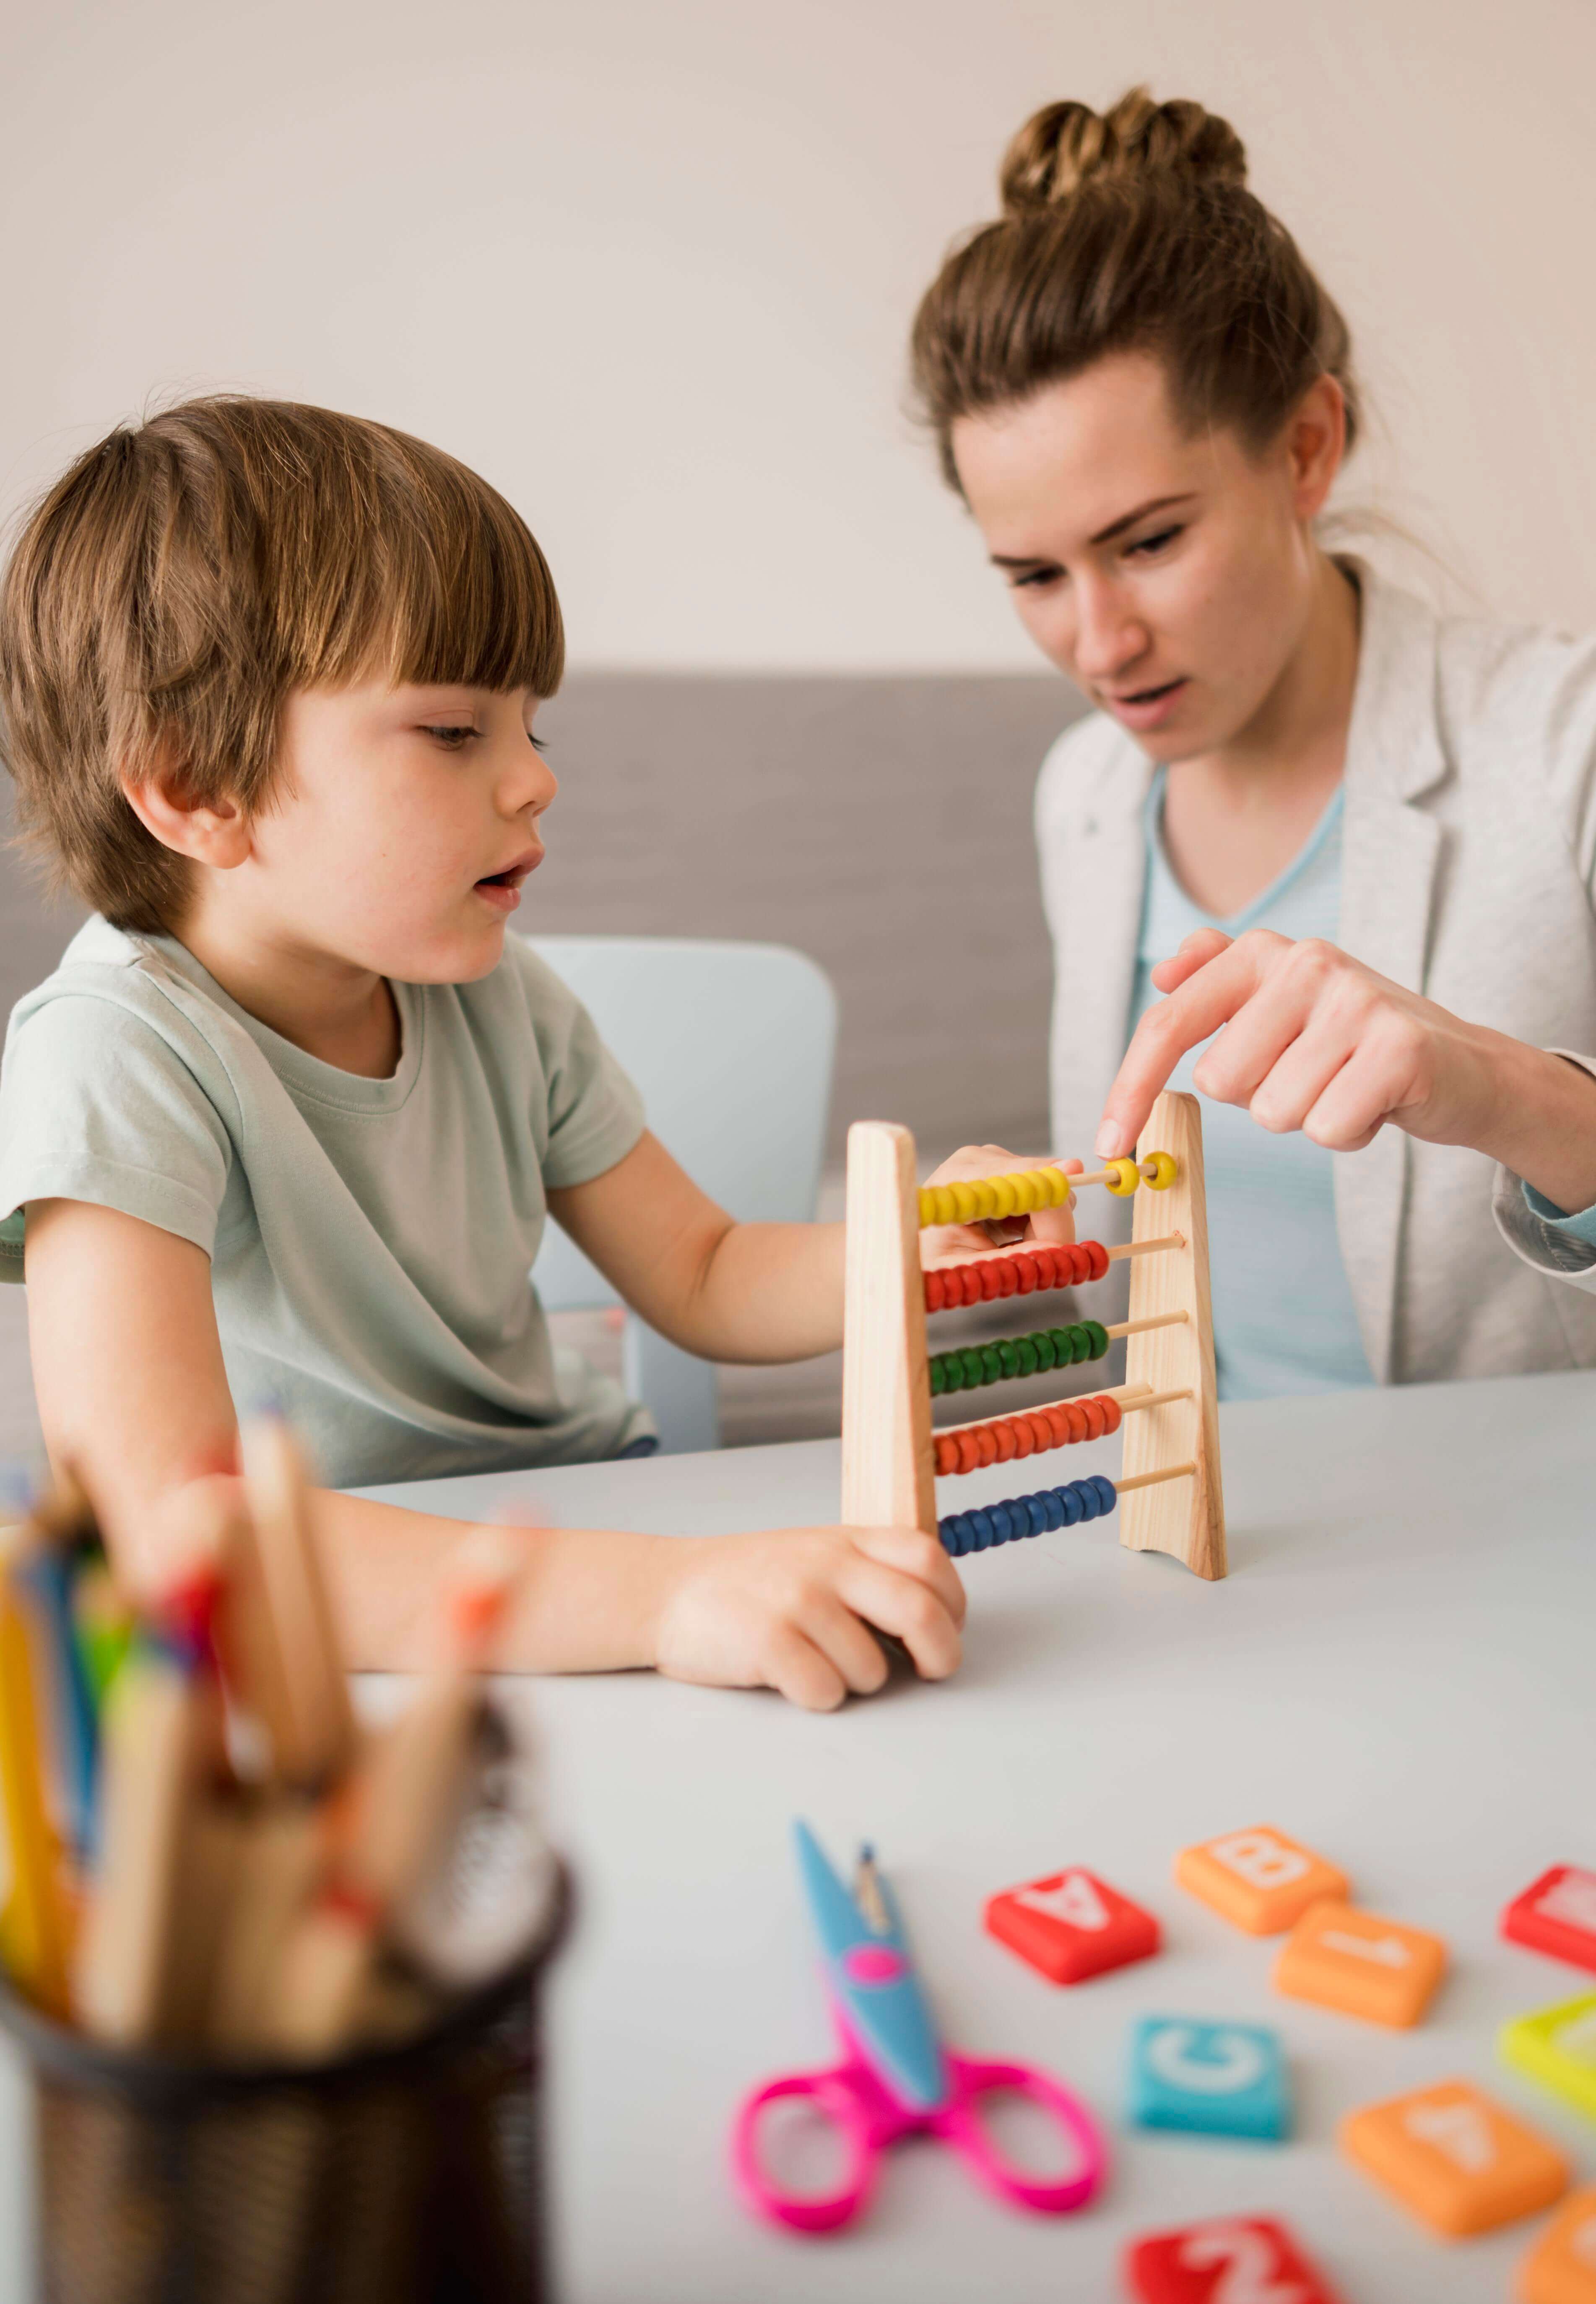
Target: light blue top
(1283, 1315)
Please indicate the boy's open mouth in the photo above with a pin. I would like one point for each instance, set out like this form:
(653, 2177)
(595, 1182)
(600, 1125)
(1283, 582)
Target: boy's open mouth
(503, 889)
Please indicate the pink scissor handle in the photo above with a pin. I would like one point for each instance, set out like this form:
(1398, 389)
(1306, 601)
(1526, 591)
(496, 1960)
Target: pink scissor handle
(806, 2211)
(960, 2124)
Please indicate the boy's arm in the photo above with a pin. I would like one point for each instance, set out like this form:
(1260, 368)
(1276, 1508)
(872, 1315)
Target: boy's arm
(752, 1291)
(133, 1391)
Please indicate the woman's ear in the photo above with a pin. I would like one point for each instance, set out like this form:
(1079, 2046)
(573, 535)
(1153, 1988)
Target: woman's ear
(214, 831)
(1315, 443)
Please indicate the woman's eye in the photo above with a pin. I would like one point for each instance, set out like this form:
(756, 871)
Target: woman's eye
(1146, 545)
(1035, 580)
(452, 739)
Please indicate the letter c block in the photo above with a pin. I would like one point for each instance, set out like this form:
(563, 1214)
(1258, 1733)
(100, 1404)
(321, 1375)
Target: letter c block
(1208, 2080)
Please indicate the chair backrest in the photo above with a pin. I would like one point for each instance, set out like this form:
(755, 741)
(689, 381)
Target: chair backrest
(731, 1046)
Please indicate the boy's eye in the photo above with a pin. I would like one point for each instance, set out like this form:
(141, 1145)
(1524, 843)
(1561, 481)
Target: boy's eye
(452, 739)
(1147, 546)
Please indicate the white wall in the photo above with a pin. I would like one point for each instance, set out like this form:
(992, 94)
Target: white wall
(649, 264)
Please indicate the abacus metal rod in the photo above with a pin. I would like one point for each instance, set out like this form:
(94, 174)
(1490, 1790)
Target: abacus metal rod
(1147, 1479)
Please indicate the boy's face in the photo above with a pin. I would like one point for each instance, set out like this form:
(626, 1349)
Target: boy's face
(404, 823)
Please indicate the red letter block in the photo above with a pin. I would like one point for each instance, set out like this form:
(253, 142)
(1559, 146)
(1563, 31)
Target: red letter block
(1232, 2257)
(1557, 1915)
(1072, 1925)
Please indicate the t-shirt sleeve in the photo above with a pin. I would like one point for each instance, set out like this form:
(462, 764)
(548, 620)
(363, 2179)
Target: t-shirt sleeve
(96, 1105)
(595, 1114)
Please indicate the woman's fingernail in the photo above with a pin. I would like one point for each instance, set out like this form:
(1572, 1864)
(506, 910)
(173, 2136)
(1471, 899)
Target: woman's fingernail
(1108, 1141)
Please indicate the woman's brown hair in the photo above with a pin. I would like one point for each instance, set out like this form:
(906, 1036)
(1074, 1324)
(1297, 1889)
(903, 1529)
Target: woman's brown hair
(186, 573)
(1129, 230)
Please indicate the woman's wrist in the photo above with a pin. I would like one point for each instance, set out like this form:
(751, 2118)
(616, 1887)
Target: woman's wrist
(1544, 1123)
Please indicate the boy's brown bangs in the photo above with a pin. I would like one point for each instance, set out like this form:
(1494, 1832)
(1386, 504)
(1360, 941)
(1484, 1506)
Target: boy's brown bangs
(421, 573)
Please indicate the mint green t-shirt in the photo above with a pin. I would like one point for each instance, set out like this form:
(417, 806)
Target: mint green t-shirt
(371, 1241)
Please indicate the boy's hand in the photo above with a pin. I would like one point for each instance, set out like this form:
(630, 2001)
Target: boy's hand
(968, 1165)
(791, 1610)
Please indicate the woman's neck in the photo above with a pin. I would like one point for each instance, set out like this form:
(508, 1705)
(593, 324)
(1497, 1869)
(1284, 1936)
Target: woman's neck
(1235, 817)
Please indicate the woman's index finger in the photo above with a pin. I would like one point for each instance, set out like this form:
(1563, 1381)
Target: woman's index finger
(1172, 1026)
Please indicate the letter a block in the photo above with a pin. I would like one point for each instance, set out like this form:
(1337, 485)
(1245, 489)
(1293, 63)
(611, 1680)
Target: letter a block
(1558, 2047)
(1072, 1925)
(1225, 2262)
(1561, 2267)
(1454, 2158)
(1208, 2080)
(1557, 1915)
(1365, 1967)
(1259, 1879)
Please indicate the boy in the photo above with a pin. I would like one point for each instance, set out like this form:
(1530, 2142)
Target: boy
(289, 1115)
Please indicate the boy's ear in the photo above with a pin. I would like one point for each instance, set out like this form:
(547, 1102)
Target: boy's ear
(214, 831)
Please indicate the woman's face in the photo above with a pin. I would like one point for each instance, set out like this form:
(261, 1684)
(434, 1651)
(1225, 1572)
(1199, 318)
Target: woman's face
(1171, 576)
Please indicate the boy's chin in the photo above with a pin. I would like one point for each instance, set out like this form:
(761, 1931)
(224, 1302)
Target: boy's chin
(460, 959)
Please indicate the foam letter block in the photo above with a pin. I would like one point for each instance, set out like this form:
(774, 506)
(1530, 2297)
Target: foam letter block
(1558, 2047)
(1349, 1959)
(1561, 2267)
(1210, 2079)
(1454, 2158)
(1259, 1879)
(1557, 1915)
(1231, 2258)
(1072, 1925)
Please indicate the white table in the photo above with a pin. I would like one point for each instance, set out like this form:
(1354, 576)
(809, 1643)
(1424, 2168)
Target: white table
(1399, 1671)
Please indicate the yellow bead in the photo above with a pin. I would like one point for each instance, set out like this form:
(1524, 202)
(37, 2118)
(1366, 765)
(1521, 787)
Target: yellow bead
(966, 1202)
(1030, 1193)
(1004, 1195)
(1121, 1176)
(1164, 1172)
(927, 1207)
(1058, 1186)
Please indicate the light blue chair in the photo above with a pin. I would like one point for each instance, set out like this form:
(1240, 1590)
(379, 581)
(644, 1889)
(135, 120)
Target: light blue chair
(731, 1046)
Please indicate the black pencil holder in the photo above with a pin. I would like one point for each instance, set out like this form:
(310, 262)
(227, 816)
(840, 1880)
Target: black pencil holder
(409, 2175)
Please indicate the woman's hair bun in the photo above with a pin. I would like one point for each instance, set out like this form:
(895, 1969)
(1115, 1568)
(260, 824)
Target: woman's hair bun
(1066, 144)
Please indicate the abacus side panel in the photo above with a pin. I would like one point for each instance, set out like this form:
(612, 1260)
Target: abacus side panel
(888, 1476)
(1184, 1517)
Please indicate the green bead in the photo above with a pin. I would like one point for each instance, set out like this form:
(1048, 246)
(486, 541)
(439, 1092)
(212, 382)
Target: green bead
(1100, 1338)
(1064, 1350)
(1042, 1344)
(969, 1359)
(991, 1366)
(1009, 1353)
(1025, 1355)
(936, 1372)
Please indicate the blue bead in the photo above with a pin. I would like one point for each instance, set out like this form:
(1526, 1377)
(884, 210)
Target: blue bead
(1002, 1527)
(1069, 1497)
(980, 1530)
(1053, 1504)
(1108, 1494)
(1213, 2079)
(948, 1534)
(1036, 1514)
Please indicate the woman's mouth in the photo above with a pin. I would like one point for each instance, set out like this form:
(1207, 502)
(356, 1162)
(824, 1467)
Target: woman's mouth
(1146, 707)
(503, 889)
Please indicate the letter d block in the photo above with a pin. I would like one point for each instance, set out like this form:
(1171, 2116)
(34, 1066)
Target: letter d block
(1364, 1966)
(1561, 2267)
(1208, 2080)
(1558, 2047)
(1259, 1879)
(1453, 2158)
(1232, 2260)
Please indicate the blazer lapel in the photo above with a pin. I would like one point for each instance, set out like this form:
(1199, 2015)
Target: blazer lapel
(1391, 850)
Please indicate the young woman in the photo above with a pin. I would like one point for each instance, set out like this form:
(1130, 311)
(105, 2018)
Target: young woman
(1353, 839)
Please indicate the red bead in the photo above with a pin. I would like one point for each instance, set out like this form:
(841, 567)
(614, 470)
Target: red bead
(1003, 1440)
(1007, 1277)
(970, 1281)
(934, 1291)
(1225, 2256)
(1097, 1259)
(987, 1280)
(1112, 1417)
(1096, 1423)
(1072, 1926)
(1025, 1273)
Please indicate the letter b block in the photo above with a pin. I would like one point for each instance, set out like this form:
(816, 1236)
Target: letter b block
(1233, 2260)
(1259, 1879)
(1557, 1915)
(1210, 2079)
(1561, 2267)
(1072, 1925)
(1365, 1967)
(1454, 2158)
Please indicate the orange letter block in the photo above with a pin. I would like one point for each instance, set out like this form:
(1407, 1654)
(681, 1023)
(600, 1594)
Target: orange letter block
(1259, 1879)
(1453, 2158)
(1367, 1967)
(1561, 2267)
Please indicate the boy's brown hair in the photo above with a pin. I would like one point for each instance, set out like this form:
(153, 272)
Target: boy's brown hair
(181, 578)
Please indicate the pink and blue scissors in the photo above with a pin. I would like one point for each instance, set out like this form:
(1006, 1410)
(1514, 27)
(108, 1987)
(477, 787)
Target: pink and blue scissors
(895, 2079)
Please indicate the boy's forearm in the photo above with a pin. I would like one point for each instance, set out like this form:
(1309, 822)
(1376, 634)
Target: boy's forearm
(589, 1602)
(768, 1291)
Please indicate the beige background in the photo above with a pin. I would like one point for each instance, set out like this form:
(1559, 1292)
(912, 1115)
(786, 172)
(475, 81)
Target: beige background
(650, 267)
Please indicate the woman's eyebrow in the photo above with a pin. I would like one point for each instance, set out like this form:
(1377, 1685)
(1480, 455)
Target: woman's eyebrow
(1103, 536)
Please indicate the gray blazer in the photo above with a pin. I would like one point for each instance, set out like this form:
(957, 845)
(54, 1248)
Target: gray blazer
(1469, 851)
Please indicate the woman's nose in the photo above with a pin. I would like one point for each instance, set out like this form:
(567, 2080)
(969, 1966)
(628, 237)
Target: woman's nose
(1108, 638)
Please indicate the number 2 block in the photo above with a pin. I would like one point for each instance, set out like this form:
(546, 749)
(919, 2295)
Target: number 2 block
(1454, 2159)
(1072, 1925)
(1347, 1958)
(1558, 2047)
(1233, 2260)
(1557, 1915)
(1210, 2079)
(1259, 1879)
(1561, 2267)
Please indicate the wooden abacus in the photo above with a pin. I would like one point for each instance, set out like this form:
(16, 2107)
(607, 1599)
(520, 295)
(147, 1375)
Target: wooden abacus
(1170, 1480)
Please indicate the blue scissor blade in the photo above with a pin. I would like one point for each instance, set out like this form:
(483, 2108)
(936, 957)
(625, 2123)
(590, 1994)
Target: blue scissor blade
(874, 1981)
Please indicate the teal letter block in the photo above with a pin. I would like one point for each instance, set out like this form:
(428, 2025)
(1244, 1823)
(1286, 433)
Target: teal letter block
(1210, 2079)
